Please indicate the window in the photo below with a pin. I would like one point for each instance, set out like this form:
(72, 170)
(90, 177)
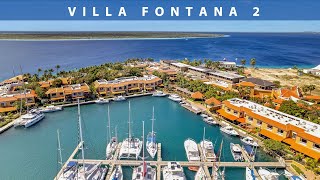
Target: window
(259, 123)
(114, 89)
(228, 109)
(120, 87)
(303, 141)
(250, 118)
(101, 89)
(269, 127)
(129, 85)
(280, 131)
(316, 146)
(235, 112)
(61, 93)
(53, 94)
(294, 135)
(2, 104)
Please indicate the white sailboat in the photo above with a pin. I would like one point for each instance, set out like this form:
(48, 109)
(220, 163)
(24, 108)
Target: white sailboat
(144, 171)
(151, 143)
(173, 171)
(130, 147)
(268, 175)
(217, 174)
(117, 173)
(191, 149)
(250, 174)
(201, 175)
(236, 152)
(229, 130)
(113, 141)
(207, 148)
(87, 171)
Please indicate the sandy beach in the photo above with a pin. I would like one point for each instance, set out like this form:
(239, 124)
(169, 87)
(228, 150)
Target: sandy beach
(287, 77)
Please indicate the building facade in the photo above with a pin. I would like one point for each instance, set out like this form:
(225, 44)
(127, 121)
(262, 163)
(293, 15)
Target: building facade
(127, 85)
(69, 93)
(301, 135)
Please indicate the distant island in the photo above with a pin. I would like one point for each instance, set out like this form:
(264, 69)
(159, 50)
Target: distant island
(103, 35)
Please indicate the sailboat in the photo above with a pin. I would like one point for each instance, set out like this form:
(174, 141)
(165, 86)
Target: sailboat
(216, 173)
(201, 175)
(69, 171)
(144, 171)
(207, 148)
(113, 141)
(151, 139)
(88, 171)
(117, 173)
(130, 147)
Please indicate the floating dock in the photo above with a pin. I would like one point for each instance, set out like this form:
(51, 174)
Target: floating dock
(6, 127)
(159, 163)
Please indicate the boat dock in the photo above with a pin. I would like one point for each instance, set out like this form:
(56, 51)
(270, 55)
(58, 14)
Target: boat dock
(191, 108)
(6, 127)
(159, 163)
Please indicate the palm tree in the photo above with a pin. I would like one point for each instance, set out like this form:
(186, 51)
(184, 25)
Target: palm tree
(253, 62)
(312, 87)
(39, 70)
(305, 88)
(243, 62)
(57, 67)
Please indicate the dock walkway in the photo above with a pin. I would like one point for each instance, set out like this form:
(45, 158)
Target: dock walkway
(6, 127)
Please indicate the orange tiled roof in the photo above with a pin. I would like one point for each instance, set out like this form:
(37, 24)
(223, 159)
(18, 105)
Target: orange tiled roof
(308, 151)
(213, 101)
(271, 135)
(287, 93)
(227, 115)
(7, 99)
(309, 137)
(197, 95)
(264, 119)
(246, 84)
(278, 101)
(312, 97)
(228, 104)
(54, 90)
(7, 109)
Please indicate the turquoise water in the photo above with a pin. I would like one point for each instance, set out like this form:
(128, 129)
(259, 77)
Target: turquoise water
(32, 153)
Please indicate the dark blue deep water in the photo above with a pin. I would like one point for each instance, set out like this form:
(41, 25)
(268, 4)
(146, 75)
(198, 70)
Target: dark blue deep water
(270, 50)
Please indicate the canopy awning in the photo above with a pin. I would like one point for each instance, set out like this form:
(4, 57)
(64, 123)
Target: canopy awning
(271, 135)
(118, 92)
(227, 115)
(305, 150)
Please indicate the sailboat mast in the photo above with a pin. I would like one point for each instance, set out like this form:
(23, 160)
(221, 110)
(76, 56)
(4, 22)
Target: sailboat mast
(81, 138)
(109, 127)
(59, 148)
(152, 120)
(129, 121)
(143, 142)
(204, 134)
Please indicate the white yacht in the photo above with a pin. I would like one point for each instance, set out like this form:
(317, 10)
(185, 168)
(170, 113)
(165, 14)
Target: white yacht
(117, 173)
(249, 141)
(229, 130)
(113, 141)
(210, 121)
(29, 119)
(203, 115)
(236, 152)
(159, 94)
(250, 174)
(191, 149)
(290, 176)
(69, 171)
(151, 143)
(144, 171)
(130, 147)
(268, 175)
(119, 98)
(101, 101)
(175, 97)
(207, 148)
(50, 109)
(173, 171)
(201, 175)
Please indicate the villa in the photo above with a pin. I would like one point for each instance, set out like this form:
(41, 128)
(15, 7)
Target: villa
(127, 85)
(301, 135)
(69, 93)
(7, 101)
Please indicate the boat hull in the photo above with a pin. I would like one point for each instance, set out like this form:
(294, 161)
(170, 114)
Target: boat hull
(36, 120)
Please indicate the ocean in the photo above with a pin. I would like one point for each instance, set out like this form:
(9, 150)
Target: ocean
(270, 50)
(32, 153)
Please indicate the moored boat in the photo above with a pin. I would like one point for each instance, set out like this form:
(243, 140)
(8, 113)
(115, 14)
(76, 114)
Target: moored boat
(250, 174)
(236, 152)
(207, 148)
(191, 149)
(119, 98)
(173, 171)
(201, 175)
(101, 101)
(175, 97)
(159, 94)
(290, 176)
(48, 109)
(268, 175)
(151, 143)
(210, 121)
(113, 141)
(117, 173)
(29, 119)
(249, 141)
(229, 130)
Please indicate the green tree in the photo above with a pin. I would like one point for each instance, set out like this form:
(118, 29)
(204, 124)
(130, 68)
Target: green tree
(276, 146)
(56, 83)
(39, 71)
(57, 68)
(40, 92)
(277, 83)
(20, 105)
(290, 107)
(312, 87)
(253, 62)
(243, 62)
(305, 88)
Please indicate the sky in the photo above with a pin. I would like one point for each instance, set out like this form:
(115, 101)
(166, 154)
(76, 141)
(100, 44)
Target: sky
(185, 26)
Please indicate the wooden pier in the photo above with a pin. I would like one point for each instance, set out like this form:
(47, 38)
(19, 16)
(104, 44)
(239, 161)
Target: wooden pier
(6, 127)
(159, 163)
